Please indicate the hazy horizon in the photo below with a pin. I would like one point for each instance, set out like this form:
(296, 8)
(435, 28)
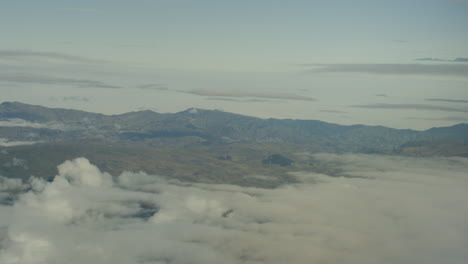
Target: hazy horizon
(12, 122)
(398, 63)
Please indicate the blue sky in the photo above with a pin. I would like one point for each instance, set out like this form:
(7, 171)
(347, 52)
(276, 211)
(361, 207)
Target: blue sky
(361, 61)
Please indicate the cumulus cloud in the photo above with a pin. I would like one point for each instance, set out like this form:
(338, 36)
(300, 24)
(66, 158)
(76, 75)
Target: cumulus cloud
(412, 107)
(459, 70)
(247, 94)
(399, 210)
(7, 184)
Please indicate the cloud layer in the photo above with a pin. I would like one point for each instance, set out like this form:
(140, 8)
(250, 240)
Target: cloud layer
(30, 78)
(248, 94)
(446, 100)
(412, 107)
(4, 142)
(459, 70)
(399, 210)
(37, 55)
(435, 59)
(153, 86)
(444, 118)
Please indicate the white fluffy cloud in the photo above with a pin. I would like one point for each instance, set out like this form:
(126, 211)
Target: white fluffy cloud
(399, 210)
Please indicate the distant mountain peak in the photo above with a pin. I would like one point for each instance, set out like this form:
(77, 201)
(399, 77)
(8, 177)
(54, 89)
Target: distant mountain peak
(193, 111)
(12, 104)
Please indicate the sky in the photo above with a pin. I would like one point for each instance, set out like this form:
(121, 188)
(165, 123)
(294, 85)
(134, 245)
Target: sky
(397, 63)
(389, 210)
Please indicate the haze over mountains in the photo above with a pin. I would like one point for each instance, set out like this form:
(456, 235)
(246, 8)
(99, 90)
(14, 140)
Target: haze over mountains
(22, 122)
(199, 145)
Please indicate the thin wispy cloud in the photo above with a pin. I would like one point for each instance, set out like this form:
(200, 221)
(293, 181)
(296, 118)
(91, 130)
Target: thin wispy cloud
(237, 100)
(36, 55)
(7, 143)
(333, 111)
(248, 94)
(446, 100)
(429, 59)
(153, 86)
(18, 122)
(459, 70)
(454, 1)
(412, 107)
(436, 59)
(445, 118)
(42, 79)
(75, 98)
(70, 98)
(79, 9)
(146, 108)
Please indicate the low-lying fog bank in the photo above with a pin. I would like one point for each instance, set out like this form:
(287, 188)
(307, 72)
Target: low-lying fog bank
(390, 210)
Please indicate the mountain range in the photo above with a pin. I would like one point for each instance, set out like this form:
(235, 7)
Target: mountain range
(209, 127)
(200, 145)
